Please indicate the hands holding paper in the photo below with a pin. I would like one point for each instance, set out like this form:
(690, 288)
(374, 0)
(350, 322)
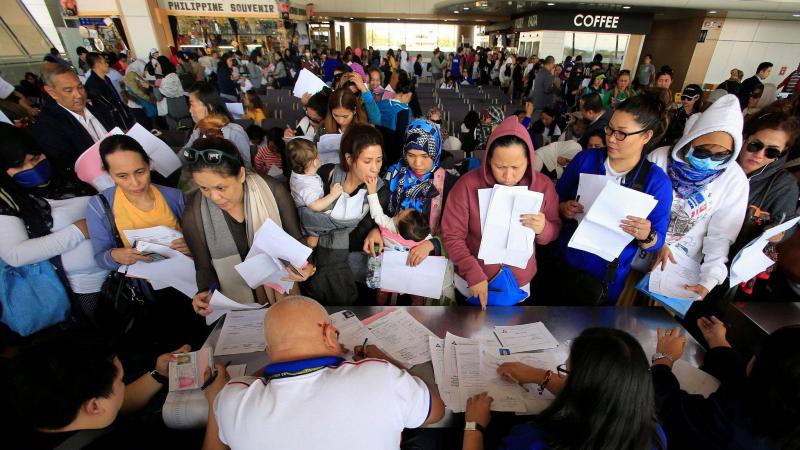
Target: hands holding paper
(418, 254)
(638, 228)
(180, 245)
(570, 208)
(162, 362)
(128, 256)
(200, 303)
(535, 222)
(302, 274)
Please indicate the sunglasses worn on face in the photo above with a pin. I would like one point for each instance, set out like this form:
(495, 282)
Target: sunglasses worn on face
(210, 156)
(770, 152)
(705, 152)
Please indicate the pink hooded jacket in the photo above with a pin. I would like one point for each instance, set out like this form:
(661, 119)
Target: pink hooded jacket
(461, 223)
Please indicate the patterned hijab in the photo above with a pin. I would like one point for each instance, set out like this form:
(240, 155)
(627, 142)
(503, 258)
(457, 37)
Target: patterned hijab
(407, 190)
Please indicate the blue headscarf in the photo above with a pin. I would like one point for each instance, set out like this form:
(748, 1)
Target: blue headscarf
(406, 190)
(686, 180)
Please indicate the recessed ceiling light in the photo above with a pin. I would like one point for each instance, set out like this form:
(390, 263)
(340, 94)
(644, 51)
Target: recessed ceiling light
(626, 7)
(712, 12)
(351, 18)
(466, 8)
(796, 15)
(551, 4)
(445, 20)
(456, 12)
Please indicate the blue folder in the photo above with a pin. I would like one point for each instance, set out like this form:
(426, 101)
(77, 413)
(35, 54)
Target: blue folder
(676, 305)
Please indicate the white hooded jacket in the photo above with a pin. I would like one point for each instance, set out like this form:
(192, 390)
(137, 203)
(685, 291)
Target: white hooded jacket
(704, 225)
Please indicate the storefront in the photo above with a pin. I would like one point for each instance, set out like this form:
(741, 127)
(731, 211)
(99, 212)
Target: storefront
(102, 34)
(234, 24)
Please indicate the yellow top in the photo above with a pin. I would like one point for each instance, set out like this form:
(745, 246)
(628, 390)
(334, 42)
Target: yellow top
(257, 114)
(129, 217)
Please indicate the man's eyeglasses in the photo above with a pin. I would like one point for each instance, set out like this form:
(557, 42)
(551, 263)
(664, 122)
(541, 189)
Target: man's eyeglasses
(770, 152)
(620, 135)
(210, 156)
(704, 152)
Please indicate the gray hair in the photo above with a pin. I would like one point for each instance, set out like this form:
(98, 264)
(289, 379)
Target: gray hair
(49, 75)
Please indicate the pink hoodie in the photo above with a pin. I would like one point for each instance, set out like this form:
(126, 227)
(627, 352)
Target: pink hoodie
(461, 223)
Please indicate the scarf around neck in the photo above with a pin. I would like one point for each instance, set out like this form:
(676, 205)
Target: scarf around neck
(406, 189)
(686, 180)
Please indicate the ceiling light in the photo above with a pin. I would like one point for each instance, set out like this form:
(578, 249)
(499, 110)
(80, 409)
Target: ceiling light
(456, 12)
(626, 7)
(551, 4)
(466, 8)
(712, 12)
(445, 20)
(796, 15)
(351, 18)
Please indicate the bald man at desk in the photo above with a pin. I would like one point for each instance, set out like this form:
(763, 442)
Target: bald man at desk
(310, 397)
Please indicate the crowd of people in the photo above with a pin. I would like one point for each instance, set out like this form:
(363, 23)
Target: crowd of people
(723, 167)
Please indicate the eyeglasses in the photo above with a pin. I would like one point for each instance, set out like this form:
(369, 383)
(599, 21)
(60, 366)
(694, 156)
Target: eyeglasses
(210, 156)
(562, 371)
(770, 152)
(620, 135)
(704, 152)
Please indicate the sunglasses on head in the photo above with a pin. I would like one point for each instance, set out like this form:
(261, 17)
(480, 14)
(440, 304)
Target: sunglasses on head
(689, 97)
(705, 152)
(210, 156)
(770, 152)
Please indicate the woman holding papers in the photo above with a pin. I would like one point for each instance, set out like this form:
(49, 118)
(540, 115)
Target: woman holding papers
(204, 101)
(508, 161)
(636, 124)
(222, 217)
(755, 406)
(604, 400)
(42, 216)
(709, 192)
(768, 136)
(135, 203)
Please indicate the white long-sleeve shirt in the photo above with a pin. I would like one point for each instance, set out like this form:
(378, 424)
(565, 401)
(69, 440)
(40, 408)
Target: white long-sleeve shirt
(704, 226)
(376, 211)
(66, 240)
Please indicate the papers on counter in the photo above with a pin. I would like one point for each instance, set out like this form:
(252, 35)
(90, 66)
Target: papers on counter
(328, 148)
(751, 260)
(163, 158)
(425, 280)
(694, 380)
(236, 109)
(242, 332)
(185, 410)
(509, 242)
(525, 338)
(307, 82)
(589, 187)
(400, 336)
(89, 167)
(351, 331)
(600, 233)
(350, 207)
(671, 281)
(220, 305)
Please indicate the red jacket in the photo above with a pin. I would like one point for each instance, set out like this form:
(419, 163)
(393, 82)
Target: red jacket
(461, 223)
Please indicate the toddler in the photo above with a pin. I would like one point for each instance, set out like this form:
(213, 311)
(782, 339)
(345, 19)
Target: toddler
(304, 183)
(268, 159)
(405, 230)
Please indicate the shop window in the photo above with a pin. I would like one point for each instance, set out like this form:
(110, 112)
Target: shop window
(416, 37)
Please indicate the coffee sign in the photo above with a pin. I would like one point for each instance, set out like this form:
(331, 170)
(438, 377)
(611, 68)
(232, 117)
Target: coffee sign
(585, 21)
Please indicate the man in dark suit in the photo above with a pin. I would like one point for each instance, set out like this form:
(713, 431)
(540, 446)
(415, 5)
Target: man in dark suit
(592, 109)
(66, 126)
(748, 85)
(109, 107)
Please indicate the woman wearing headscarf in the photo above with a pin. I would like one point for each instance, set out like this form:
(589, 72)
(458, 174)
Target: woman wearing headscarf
(710, 192)
(139, 94)
(418, 181)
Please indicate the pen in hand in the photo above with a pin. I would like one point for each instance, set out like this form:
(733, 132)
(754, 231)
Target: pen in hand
(511, 377)
(213, 377)
(364, 348)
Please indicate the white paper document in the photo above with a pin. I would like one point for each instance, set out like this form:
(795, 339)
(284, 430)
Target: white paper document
(176, 270)
(272, 240)
(751, 260)
(525, 338)
(157, 235)
(260, 269)
(236, 110)
(694, 380)
(402, 337)
(450, 382)
(350, 207)
(89, 167)
(484, 197)
(307, 82)
(589, 187)
(242, 332)
(425, 280)
(351, 331)
(600, 233)
(508, 242)
(671, 281)
(221, 304)
(328, 148)
(163, 159)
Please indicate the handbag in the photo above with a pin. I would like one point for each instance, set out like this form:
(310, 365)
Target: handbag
(121, 302)
(503, 290)
(32, 297)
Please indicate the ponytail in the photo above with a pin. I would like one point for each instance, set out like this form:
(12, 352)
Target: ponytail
(650, 112)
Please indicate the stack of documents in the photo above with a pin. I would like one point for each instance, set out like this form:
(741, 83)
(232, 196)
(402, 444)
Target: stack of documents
(242, 332)
(220, 305)
(525, 338)
(172, 269)
(667, 286)
(589, 187)
(509, 242)
(751, 260)
(599, 232)
(272, 256)
(425, 280)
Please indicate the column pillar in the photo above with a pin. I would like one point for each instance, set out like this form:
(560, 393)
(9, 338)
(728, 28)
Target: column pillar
(358, 34)
(143, 26)
(334, 43)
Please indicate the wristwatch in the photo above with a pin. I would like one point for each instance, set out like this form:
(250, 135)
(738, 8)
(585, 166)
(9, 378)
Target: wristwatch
(161, 379)
(474, 426)
(661, 355)
(650, 238)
